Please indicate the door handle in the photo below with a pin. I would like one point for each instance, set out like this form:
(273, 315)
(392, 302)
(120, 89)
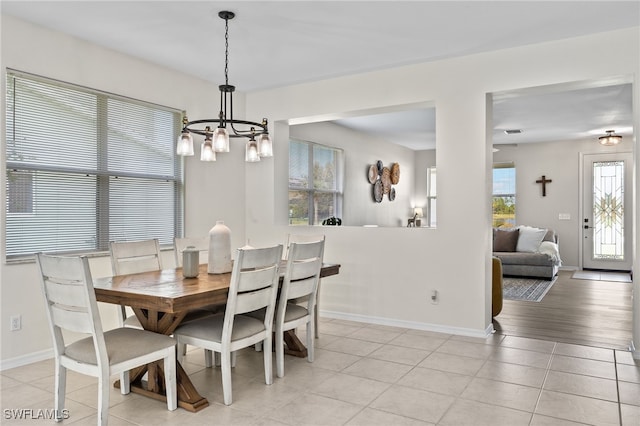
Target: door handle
(588, 227)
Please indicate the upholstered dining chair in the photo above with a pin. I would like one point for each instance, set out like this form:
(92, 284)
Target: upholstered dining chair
(71, 305)
(131, 257)
(253, 286)
(307, 238)
(200, 244)
(301, 278)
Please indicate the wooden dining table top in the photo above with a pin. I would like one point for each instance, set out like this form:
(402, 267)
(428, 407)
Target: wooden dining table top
(168, 291)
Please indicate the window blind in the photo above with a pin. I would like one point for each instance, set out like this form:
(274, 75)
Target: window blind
(86, 167)
(315, 182)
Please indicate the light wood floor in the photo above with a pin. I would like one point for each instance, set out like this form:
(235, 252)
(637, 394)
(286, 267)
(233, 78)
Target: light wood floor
(585, 312)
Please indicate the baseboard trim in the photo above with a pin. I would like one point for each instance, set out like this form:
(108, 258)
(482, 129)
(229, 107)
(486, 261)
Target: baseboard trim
(460, 331)
(26, 359)
(569, 268)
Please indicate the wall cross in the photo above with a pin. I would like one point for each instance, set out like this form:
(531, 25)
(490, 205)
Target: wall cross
(544, 181)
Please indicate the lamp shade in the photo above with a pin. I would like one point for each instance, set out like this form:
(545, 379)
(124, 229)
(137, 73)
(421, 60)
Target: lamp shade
(221, 140)
(610, 139)
(185, 144)
(207, 153)
(265, 145)
(418, 211)
(251, 154)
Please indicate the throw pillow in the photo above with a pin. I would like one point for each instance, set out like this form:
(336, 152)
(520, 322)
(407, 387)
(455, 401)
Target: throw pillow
(529, 239)
(505, 240)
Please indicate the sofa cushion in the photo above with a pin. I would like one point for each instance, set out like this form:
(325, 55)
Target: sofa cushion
(524, 258)
(505, 240)
(530, 238)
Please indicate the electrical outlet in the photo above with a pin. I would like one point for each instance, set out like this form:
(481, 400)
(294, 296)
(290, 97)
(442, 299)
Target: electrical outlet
(16, 323)
(435, 297)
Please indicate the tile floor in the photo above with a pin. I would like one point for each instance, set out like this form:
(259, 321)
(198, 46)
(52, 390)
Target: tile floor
(376, 375)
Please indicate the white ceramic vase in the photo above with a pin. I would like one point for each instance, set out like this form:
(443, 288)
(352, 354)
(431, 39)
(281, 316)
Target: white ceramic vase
(219, 249)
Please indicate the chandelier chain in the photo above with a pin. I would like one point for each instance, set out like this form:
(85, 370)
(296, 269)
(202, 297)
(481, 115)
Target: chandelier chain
(226, 51)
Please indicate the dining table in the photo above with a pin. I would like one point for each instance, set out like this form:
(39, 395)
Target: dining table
(161, 300)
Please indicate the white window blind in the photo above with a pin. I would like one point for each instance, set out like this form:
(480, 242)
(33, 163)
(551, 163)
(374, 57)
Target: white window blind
(315, 183)
(86, 167)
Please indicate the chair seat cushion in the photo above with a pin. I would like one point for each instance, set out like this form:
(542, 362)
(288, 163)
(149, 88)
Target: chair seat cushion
(210, 328)
(293, 312)
(122, 344)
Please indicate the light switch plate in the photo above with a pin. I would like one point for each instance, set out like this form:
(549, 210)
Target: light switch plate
(564, 216)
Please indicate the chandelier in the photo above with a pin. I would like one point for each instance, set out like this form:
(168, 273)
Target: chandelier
(610, 138)
(217, 131)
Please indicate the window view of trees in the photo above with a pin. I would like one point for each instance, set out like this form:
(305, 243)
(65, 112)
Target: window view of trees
(315, 183)
(504, 195)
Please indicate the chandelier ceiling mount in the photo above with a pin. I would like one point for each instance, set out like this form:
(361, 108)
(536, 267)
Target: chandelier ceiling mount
(610, 139)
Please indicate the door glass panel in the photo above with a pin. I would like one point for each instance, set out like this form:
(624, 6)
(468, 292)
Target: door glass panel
(608, 210)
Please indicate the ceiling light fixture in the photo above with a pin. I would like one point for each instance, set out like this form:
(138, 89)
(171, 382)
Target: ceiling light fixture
(259, 143)
(610, 139)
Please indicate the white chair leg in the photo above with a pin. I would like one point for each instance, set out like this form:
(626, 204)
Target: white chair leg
(60, 385)
(226, 377)
(268, 368)
(258, 346)
(315, 311)
(279, 353)
(311, 333)
(208, 355)
(181, 350)
(125, 383)
(170, 381)
(103, 400)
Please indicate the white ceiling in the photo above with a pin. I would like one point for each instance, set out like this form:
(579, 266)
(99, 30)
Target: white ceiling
(278, 43)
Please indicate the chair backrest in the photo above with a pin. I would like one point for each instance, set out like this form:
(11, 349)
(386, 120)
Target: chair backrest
(302, 274)
(131, 257)
(201, 244)
(71, 301)
(301, 238)
(254, 284)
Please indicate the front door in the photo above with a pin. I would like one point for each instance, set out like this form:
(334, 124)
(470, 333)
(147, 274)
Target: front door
(607, 211)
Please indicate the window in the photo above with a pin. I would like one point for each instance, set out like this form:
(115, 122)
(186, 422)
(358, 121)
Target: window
(315, 183)
(504, 195)
(86, 167)
(431, 197)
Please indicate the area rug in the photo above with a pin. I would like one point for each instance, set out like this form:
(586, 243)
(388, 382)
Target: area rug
(525, 289)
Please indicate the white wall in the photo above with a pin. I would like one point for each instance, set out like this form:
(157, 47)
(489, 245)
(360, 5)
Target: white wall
(387, 273)
(361, 151)
(213, 190)
(560, 162)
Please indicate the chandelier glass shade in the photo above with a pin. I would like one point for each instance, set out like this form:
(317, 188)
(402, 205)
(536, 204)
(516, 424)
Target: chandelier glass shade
(259, 143)
(610, 139)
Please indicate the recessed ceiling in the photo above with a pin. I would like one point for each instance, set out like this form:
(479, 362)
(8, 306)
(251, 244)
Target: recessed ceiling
(279, 43)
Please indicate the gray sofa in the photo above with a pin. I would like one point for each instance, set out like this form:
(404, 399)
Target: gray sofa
(541, 262)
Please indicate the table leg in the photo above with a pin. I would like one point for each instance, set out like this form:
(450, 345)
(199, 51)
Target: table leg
(188, 396)
(294, 346)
